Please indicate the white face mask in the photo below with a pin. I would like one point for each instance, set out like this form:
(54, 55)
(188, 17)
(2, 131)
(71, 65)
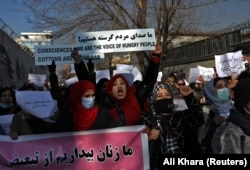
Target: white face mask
(223, 94)
(4, 106)
(88, 102)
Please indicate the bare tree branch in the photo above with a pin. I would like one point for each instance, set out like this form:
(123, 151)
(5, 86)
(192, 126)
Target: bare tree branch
(168, 17)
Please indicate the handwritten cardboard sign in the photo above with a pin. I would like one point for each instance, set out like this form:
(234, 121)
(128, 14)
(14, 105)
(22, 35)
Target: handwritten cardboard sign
(102, 74)
(206, 73)
(228, 63)
(193, 75)
(5, 122)
(37, 79)
(37, 103)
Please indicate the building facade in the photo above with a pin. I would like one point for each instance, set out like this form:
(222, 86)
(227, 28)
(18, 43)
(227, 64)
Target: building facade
(31, 39)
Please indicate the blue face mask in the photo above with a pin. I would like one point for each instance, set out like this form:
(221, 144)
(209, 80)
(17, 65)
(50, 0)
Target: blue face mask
(88, 102)
(223, 94)
(4, 106)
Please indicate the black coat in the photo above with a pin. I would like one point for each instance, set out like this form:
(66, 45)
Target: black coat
(143, 89)
(104, 120)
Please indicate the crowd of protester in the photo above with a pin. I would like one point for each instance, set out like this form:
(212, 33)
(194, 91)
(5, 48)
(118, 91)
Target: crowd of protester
(170, 109)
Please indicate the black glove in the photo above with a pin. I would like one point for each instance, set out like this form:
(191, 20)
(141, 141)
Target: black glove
(52, 67)
(90, 65)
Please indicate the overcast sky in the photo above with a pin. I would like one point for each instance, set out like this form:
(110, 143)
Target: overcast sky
(230, 13)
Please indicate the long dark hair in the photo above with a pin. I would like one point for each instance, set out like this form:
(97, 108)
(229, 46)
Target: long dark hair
(2, 90)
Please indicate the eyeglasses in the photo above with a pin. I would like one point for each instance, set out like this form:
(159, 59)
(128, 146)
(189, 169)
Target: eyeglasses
(181, 84)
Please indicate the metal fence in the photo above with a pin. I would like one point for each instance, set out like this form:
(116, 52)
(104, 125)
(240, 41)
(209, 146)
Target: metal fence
(8, 30)
(220, 42)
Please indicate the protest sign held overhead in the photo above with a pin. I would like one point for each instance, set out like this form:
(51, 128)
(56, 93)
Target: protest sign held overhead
(206, 73)
(193, 74)
(93, 45)
(228, 63)
(45, 54)
(117, 41)
(37, 79)
(102, 74)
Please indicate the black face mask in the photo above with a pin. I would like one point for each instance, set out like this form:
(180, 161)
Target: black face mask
(164, 106)
(247, 66)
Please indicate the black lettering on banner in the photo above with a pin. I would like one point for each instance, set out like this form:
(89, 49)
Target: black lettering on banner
(109, 46)
(85, 57)
(58, 59)
(92, 57)
(146, 44)
(48, 59)
(97, 47)
(88, 48)
(128, 45)
(95, 57)
(66, 58)
(118, 46)
(79, 48)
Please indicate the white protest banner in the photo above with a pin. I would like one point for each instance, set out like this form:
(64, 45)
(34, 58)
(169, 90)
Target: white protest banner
(186, 83)
(206, 73)
(124, 67)
(37, 79)
(37, 103)
(193, 75)
(228, 63)
(70, 81)
(55, 109)
(99, 75)
(45, 54)
(5, 122)
(132, 69)
(117, 41)
(159, 76)
(180, 104)
(93, 45)
(121, 71)
(102, 74)
(126, 74)
(72, 68)
(137, 74)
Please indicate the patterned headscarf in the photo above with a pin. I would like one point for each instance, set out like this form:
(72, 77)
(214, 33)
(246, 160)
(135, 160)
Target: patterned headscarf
(168, 139)
(156, 90)
(154, 93)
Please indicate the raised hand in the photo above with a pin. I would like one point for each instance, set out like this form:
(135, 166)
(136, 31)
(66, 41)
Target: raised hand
(52, 67)
(185, 90)
(90, 65)
(75, 55)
